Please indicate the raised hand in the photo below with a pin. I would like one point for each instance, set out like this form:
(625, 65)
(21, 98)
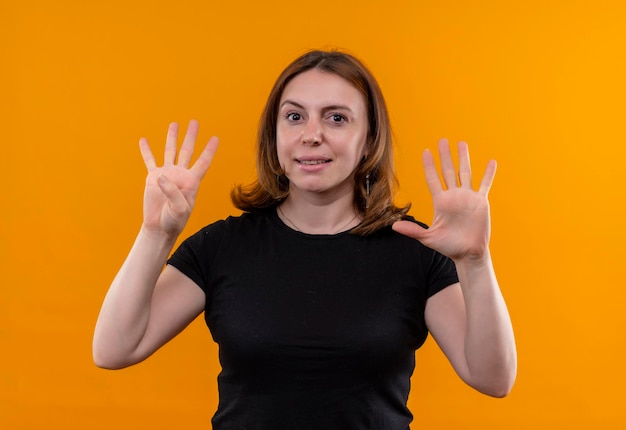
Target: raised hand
(461, 225)
(171, 189)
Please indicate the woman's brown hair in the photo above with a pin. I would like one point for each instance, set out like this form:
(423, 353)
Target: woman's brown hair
(373, 194)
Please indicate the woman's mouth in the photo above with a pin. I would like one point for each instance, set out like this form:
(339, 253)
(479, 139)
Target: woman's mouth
(312, 162)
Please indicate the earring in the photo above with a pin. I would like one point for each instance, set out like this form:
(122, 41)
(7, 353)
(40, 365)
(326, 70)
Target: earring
(282, 182)
(367, 184)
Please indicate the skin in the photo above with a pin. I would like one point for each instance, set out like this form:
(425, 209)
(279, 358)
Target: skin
(469, 320)
(147, 305)
(321, 117)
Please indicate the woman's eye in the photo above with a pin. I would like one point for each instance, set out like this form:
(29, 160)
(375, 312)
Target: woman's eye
(293, 116)
(337, 118)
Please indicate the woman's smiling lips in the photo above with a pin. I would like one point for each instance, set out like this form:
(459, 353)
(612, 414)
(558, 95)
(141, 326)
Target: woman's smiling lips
(312, 164)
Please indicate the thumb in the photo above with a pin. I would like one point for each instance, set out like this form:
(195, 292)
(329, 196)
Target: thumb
(177, 201)
(410, 229)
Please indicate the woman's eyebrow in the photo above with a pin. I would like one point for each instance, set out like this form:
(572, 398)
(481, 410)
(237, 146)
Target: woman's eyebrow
(338, 107)
(325, 108)
(291, 102)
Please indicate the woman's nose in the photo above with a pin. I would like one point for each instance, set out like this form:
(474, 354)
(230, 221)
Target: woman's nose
(312, 133)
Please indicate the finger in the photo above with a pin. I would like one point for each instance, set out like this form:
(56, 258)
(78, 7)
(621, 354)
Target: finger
(203, 162)
(186, 151)
(146, 154)
(487, 181)
(465, 170)
(177, 202)
(447, 166)
(432, 177)
(170, 144)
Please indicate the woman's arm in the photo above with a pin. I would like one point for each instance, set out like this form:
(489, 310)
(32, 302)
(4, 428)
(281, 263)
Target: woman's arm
(468, 320)
(146, 306)
(471, 324)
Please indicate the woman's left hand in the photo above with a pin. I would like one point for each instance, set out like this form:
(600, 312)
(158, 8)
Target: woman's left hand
(461, 224)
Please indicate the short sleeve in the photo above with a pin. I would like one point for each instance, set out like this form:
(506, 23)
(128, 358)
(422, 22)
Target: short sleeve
(441, 274)
(441, 270)
(194, 256)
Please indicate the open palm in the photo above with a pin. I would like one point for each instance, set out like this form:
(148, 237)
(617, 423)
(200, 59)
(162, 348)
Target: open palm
(461, 225)
(171, 189)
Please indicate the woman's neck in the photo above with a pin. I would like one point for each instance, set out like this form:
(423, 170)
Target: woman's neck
(318, 215)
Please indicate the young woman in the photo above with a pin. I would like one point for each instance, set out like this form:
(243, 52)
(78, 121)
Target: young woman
(320, 293)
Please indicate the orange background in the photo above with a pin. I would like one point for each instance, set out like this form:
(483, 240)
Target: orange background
(537, 85)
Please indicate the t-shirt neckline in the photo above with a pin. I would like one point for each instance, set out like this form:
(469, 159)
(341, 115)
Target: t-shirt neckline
(278, 222)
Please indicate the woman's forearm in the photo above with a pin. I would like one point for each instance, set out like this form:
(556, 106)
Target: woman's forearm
(125, 311)
(489, 342)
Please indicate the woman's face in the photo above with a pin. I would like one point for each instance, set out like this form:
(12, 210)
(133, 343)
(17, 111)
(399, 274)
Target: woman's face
(321, 133)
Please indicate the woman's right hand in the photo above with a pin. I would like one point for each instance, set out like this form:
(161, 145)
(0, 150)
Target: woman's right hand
(171, 189)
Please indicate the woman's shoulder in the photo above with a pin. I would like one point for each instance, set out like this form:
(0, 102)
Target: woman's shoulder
(412, 219)
(389, 240)
(245, 221)
(388, 232)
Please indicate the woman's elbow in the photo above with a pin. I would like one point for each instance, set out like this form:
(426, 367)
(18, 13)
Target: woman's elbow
(104, 361)
(499, 386)
(106, 357)
(499, 391)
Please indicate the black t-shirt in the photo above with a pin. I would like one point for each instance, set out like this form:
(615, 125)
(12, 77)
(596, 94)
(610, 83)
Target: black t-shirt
(314, 331)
